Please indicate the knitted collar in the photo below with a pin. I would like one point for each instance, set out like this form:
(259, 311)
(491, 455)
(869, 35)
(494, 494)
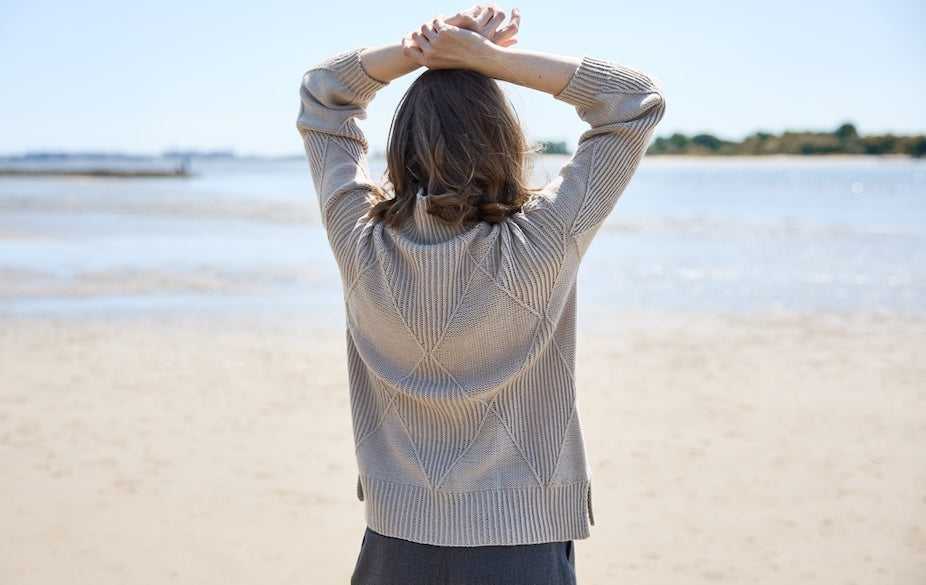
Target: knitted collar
(425, 228)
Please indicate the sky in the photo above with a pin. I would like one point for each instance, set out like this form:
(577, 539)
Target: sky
(144, 77)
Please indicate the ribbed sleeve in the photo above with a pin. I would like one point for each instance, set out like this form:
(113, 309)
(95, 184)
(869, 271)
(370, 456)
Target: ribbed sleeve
(334, 95)
(622, 106)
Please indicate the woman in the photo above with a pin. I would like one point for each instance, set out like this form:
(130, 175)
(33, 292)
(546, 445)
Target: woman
(459, 286)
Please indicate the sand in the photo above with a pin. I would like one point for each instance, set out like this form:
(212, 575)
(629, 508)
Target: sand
(215, 447)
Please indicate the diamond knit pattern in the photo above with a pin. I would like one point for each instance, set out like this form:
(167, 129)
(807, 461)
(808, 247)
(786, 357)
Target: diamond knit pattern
(461, 340)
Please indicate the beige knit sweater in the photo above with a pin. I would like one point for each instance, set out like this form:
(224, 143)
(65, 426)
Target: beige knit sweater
(461, 342)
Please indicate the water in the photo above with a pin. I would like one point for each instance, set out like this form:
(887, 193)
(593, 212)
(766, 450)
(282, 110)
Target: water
(712, 235)
(767, 234)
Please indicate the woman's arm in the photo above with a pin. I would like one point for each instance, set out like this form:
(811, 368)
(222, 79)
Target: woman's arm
(387, 62)
(390, 62)
(457, 44)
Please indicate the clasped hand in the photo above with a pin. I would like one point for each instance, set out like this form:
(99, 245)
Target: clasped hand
(455, 42)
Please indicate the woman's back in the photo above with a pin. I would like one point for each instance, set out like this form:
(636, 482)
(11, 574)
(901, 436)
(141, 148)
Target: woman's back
(461, 330)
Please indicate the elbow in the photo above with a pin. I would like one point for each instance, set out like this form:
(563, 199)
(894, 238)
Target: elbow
(644, 110)
(655, 107)
(651, 104)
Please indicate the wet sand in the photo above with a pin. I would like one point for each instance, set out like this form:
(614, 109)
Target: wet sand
(215, 447)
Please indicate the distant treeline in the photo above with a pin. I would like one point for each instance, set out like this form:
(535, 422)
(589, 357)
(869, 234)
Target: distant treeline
(844, 140)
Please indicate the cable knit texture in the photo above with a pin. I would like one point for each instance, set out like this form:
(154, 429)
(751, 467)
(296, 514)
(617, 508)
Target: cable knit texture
(461, 341)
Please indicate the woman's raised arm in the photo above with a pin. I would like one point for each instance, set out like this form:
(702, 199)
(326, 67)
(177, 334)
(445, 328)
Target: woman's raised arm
(456, 43)
(392, 61)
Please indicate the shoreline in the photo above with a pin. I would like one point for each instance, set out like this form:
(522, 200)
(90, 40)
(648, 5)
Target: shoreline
(98, 173)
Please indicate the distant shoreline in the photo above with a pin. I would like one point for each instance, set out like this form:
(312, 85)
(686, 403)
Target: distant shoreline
(845, 140)
(97, 173)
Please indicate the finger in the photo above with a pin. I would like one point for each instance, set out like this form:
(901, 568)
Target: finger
(470, 12)
(411, 50)
(409, 39)
(496, 9)
(440, 25)
(421, 42)
(463, 21)
(511, 29)
(505, 33)
(482, 17)
(515, 21)
(492, 24)
(428, 32)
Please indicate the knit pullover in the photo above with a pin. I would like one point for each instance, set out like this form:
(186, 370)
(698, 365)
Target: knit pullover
(461, 341)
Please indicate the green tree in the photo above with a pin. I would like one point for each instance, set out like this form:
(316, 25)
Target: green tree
(846, 133)
(707, 141)
(678, 142)
(918, 148)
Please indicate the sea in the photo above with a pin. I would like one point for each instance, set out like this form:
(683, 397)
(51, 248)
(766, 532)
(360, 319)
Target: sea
(701, 235)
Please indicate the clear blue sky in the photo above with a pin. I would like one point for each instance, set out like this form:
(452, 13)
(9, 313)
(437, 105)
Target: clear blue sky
(142, 77)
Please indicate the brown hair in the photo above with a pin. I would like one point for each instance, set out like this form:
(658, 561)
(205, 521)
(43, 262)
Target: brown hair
(455, 137)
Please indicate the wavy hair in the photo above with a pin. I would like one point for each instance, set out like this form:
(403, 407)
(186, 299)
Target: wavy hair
(455, 137)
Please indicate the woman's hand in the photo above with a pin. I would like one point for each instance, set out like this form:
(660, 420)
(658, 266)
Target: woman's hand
(473, 40)
(485, 20)
(481, 24)
(439, 45)
(462, 39)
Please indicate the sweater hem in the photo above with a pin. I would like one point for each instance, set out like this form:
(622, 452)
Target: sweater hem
(491, 517)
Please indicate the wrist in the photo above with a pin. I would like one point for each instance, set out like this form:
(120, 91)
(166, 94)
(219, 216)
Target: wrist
(386, 63)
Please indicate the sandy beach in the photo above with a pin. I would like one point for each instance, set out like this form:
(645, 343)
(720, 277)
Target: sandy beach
(215, 447)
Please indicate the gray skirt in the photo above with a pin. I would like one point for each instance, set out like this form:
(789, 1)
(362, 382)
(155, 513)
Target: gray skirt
(391, 561)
